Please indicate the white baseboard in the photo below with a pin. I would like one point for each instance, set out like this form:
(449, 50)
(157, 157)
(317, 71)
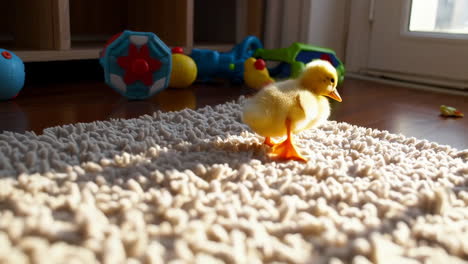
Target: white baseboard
(406, 84)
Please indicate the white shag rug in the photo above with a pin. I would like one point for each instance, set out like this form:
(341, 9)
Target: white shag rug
(198, 187)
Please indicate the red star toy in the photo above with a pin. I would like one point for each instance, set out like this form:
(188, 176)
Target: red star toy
(138, 65)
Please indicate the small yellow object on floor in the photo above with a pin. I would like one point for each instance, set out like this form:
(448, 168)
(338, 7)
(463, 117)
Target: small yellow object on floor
(449, 111)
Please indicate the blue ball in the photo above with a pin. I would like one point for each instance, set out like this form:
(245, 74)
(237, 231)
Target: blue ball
(11, 74)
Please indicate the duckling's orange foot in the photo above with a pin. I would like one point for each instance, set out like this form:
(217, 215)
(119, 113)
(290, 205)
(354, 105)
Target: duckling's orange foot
(269, 142)
(286, 151)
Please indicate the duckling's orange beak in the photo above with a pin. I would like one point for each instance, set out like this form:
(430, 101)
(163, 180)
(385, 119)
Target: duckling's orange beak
(335, 95)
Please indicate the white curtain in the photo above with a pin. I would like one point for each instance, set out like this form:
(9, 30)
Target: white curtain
(321, 23)
(285, 22)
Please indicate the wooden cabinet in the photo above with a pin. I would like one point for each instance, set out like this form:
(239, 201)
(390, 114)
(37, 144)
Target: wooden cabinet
(50, 30)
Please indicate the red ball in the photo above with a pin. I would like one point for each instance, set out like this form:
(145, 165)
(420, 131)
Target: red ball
(260, 64)
(177, 50)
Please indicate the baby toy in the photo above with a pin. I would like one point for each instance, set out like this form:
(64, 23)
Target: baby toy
(294, 58)
(136, 64)
(256, 73)
(227, 65)
(184, 69)
(449, 111)
(12, 75)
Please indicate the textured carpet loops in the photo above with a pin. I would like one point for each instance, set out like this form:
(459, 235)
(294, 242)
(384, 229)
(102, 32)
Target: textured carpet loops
(198, 187)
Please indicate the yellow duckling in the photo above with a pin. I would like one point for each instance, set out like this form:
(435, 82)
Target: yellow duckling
(291, 106)
(256, 74)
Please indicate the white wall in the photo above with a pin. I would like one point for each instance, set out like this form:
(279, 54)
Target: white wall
(357, 46)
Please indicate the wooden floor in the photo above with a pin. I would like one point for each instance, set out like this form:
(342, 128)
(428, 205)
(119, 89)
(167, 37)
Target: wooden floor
(411, 112)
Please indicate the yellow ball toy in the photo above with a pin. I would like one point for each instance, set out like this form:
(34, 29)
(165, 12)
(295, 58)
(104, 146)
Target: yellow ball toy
(184, 69)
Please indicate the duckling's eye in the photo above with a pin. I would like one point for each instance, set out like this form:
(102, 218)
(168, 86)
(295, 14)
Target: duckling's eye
(332, 80)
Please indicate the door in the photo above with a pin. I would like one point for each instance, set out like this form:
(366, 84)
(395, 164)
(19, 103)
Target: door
(425, 41)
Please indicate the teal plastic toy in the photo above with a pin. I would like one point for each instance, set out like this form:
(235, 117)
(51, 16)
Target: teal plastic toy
(12, 75)
(226, 65)
(136, 64)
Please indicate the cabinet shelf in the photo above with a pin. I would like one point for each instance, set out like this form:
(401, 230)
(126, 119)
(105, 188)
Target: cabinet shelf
(88, 51)
(55, 30)
(75, 53)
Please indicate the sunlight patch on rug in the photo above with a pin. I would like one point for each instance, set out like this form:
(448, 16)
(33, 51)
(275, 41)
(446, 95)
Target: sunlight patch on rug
(198, 187)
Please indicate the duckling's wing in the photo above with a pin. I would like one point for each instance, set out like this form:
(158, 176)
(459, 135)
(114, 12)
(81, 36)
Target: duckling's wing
(300, 103)
(304, 110)
(323, 112)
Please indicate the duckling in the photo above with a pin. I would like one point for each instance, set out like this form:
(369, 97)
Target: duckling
(288, 107)
(256, 74)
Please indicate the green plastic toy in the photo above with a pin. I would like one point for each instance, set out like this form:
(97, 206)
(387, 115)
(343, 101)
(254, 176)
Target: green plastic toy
(294, 58)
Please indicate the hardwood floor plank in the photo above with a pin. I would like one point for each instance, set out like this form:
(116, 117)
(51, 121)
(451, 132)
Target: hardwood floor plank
(414, 113)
